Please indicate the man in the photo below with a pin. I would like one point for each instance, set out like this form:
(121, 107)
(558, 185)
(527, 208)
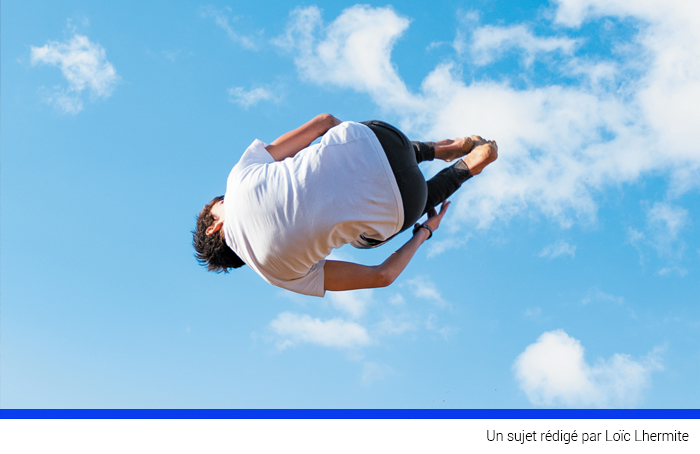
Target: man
(289, 204)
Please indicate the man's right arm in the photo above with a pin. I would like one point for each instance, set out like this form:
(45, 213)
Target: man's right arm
(289, 144)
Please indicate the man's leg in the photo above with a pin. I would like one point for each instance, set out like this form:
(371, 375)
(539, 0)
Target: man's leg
(448, 180)
(425, 151)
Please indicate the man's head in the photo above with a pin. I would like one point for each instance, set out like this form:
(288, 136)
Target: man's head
(208, 239)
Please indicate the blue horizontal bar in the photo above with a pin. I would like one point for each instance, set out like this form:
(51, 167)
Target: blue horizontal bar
(346, 414)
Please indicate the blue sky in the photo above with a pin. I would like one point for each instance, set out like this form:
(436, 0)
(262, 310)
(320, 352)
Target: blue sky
(565, 275)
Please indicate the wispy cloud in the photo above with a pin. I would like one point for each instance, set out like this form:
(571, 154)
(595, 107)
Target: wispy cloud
(85, 66)
(666, 271)
(293, 329)
(247, 98)
(423, 287)
(439, 246)
(671, 218)
(664, 222)
(397, 299)
(444, 331)
(557, 249)
(226, 20)
(353, 303)
(390, 327)
(597, 295)
(489, 43)
(554, 373)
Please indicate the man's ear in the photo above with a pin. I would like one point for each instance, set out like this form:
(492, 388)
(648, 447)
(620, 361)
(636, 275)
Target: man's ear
(215, 228)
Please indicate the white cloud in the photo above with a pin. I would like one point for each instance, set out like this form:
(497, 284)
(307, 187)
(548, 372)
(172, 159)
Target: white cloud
(85, 66)
(446, 331)
(596, 74)
(673, 270)
(353, 303)
(664, 223)
(397, 299)
(423, 287)
(294, 329)
(439, 246)
(634, 236)
(557, 249)
(489, 42)
(389, 327)
(560, 145)
(64, 100)
(573, 13)
(670, 36)
(247, 98)
(671, 217)
(223, 18)
(354, 50)
(597, 295)
(636, 239)
(553, 372)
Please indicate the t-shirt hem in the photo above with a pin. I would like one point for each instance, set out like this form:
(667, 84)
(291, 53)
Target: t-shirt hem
(391, 178)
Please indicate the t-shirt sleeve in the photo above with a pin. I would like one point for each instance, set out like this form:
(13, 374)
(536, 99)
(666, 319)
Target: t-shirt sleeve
(255, 154)
(312, 284)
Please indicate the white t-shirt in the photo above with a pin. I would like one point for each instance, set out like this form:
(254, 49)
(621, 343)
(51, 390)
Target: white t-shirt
(283, 218)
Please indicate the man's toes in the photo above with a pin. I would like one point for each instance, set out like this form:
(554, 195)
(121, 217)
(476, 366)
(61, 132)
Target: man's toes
(485, 154)
(490, 152)
(466, 144)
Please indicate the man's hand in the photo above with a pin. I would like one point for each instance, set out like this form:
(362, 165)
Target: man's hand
(434, 218)
(326, 122)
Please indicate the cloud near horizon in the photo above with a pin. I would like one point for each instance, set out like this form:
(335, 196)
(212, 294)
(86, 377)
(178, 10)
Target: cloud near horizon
(554, 373)
(560, 144)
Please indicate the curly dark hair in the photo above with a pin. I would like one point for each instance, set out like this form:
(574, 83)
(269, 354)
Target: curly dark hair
(212, 250)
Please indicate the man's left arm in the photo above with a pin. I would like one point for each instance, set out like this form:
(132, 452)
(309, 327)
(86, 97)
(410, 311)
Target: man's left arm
(291, 143)
(340, 276)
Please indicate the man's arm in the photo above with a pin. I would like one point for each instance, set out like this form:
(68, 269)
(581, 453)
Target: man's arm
(351, 276)
(289, 144)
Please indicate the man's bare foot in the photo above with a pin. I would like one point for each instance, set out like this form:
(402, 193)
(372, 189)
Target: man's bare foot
(483, 154)
(449, 150)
